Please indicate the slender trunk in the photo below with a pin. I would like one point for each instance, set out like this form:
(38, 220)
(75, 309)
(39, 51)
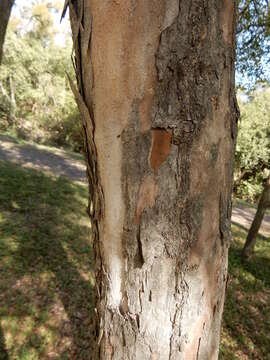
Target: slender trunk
(12, 112)
(156, 94)
(237, 182)
(264, 203)
(5, 10)
(9, 100)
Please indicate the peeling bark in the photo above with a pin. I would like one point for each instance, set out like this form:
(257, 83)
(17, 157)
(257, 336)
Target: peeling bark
(156, 94)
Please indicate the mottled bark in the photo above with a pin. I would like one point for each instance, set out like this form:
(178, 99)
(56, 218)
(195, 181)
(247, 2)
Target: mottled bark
(156, 94)
(5, 10)
(264, 203)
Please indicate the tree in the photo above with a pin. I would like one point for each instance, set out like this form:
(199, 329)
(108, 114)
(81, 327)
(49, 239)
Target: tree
(5, 10)
(156, 95)
(40, 14)
(253, 144)
(253, 41)
(264, 203)
(44, 109)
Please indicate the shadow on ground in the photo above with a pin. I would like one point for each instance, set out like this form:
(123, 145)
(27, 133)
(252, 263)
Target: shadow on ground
(246, 228)
(45, 266)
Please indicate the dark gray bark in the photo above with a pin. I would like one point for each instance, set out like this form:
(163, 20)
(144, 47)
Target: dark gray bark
(156, 94)
(5, 11)
(264, 203)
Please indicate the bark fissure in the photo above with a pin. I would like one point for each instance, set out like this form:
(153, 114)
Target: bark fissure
(140, 248)
(199, 343)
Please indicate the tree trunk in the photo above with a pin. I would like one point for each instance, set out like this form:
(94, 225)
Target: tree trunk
(264, 203)
(156, 94)
(3, 350)
(5, 10)
(12, 112)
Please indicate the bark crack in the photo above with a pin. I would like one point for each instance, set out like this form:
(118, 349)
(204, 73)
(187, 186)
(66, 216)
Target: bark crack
(198, 349)
(140, 247)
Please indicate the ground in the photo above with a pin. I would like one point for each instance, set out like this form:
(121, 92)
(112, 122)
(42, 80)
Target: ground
(46, 265)
(49, 160)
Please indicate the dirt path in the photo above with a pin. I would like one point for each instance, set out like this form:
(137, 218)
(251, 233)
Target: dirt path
(243, 215)
(60, 162)
(47, 159)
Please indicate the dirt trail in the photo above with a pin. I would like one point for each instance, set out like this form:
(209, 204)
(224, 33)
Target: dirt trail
(47, 159)
(63, 163)
(243, 215)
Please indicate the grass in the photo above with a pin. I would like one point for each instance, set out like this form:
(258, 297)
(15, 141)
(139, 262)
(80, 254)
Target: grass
(46, 266)
(246, 318)
(46, 278)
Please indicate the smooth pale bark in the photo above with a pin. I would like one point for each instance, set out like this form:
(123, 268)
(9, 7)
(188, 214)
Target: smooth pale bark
(156, 94)
(5, 10)
(264, 203)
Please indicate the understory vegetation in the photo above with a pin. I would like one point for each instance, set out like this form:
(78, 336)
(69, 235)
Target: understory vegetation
(36, 102)
(252, 156)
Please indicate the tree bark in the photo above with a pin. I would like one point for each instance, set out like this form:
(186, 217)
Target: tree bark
(156, 95)
(264, 203)
(5, 10)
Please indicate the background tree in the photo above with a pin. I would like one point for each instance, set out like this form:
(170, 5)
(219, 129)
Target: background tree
(252, 156)
(253, 41)
(5, 10)
(156, 94)
(35, 99)
(264, 204)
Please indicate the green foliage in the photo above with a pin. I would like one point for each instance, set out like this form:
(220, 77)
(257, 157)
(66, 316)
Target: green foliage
(253, 41)
(253, 145)
(35, 98)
